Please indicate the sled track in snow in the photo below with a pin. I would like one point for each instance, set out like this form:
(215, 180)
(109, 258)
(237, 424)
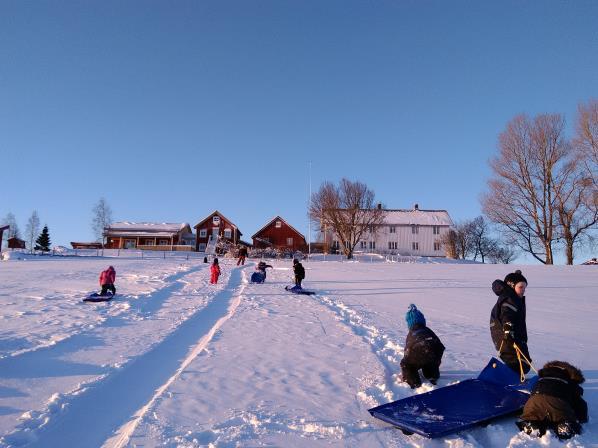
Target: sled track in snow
(126, 395)
(388, 352)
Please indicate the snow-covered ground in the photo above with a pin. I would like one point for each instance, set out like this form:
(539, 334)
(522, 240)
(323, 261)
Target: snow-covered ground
(174, 361)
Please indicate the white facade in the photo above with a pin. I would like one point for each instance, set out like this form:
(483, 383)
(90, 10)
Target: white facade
(406, 232)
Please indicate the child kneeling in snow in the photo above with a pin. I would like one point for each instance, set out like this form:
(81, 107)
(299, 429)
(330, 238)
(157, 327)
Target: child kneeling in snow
(423, 350)
(107, 279)
(556, 402)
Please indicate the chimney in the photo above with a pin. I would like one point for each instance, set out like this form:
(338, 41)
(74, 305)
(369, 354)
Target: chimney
(415, 207)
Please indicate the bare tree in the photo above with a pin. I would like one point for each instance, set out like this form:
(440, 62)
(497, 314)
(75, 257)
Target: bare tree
(500, 254)
(586, 140)
(32, 229)
(349, 210)
(102, 218)
(449, 244)
(480, 239)
(13, 231)
(522, 197)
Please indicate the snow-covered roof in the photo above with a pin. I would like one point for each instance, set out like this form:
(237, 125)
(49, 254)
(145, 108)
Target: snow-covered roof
(416, 216)
(149, 227)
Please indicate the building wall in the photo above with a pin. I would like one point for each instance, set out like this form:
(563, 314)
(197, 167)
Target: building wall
(404, 237)
(119, 242)
(208, 225)
(278, 236)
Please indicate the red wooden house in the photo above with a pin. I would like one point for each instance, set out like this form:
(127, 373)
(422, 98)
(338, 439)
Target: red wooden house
(279, 234)
(213, 226)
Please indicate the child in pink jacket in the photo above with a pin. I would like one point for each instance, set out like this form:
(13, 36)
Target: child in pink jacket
(107, 279)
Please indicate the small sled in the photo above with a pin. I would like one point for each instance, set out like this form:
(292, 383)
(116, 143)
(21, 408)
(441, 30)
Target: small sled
(298, 290)
(258, 277)
(95, 297)
(496, 392)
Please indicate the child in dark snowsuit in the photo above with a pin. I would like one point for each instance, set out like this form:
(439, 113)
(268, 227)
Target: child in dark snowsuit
(107, 279)
(214, 271)
(423, 350)
(299, 272)
(556, 402)
(507, 321)
(259, 276)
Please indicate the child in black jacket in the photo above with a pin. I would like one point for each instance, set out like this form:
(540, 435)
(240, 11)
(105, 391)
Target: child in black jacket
(556, 402)
(423, 350)
(299, 272)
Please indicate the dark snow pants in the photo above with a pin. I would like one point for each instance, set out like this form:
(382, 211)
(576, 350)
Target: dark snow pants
(410, 373)
(108, 287)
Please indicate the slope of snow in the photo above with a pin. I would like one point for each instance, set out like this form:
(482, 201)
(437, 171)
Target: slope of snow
(174, 361)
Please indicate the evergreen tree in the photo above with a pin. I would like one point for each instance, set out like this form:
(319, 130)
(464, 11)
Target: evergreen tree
(43, 241)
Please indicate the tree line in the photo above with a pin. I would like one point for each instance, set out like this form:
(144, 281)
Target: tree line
(101, 218)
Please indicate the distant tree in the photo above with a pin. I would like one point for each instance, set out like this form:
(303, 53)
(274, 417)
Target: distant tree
(481, 241)
(349, 210)
(448, 241)
(102, 218)
(500, 254)
(13, 231)
(525, 178)
(32, 229)
(43, 241)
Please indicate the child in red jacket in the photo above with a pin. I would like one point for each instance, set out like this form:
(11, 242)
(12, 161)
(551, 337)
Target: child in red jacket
(215, 271)
(107, 279)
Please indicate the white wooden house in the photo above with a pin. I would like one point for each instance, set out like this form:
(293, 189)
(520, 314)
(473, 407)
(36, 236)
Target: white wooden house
(405, 232)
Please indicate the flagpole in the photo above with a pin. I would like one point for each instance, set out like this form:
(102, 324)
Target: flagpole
(309, 218)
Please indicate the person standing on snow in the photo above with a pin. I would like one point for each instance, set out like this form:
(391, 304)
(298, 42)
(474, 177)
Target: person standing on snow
(556, 402)
(423, 350)
(107, 279)
(299, 271)
(214, 271)
(242, 254)
(508, 326)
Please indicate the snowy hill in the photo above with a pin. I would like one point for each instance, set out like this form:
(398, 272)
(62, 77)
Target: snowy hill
(174, 361)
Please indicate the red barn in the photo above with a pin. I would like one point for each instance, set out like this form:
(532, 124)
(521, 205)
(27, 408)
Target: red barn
(213, 226)
(280, 235)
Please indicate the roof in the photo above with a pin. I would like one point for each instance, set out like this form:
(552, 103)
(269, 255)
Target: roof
(146, 227)
(216, 212)
(417, 216)
(276, 218)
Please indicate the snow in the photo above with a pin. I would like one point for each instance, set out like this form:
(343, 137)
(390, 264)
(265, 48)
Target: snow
(127, 226)
(174, 361)
(422, 217)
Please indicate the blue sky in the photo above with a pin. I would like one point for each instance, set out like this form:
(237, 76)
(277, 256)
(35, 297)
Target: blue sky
(170, 110)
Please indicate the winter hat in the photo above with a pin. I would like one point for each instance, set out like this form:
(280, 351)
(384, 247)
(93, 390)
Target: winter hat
(515, 277)
(295, 261)
(414, 316)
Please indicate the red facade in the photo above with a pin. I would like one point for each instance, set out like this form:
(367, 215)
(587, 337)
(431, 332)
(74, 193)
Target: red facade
(279, 234)
(215, 225)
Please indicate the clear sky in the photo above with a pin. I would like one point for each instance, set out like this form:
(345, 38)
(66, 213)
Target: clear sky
(170, 110)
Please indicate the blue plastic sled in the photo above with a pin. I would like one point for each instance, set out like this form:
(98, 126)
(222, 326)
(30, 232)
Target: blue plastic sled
(95, 297)
(299, 290)
(258, 277)
(496, 392)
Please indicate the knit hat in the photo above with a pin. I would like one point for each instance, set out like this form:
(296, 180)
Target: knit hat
(414, 316)
(515, 277)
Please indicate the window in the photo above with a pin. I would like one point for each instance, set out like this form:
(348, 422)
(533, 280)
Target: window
(437, 246)
(372, 244)
(202, 247)
(393, 245)
(415, 246)
(336, 244)
(129, 244)
(436, 230)
(228, 233)
(289, 241)
(203, 233)
(392, 229)
(364, 245)
(278, 224)
(216, 220)
(163, 242)
(414, 229)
